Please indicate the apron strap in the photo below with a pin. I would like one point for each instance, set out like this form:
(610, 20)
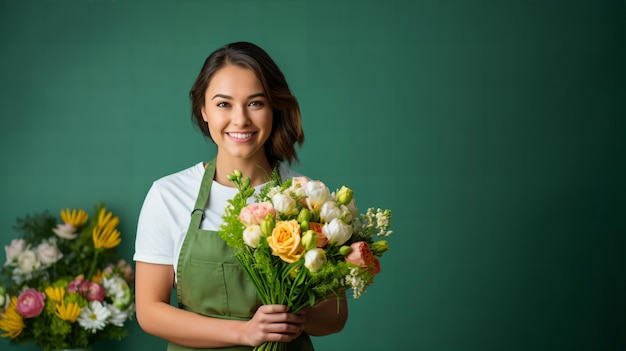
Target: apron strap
(197, 215)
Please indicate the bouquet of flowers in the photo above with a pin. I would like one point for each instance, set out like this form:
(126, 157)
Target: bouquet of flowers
(63, 284)
(300, 244)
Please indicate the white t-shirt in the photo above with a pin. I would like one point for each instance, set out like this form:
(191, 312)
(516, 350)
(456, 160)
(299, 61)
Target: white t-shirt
(166, 213)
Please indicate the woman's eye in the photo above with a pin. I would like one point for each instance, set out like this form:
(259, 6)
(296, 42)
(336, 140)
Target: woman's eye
(256, 103)
(222, 104)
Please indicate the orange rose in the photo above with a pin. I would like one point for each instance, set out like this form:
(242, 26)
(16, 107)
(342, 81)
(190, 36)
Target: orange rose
(362, 256)
(285, 241)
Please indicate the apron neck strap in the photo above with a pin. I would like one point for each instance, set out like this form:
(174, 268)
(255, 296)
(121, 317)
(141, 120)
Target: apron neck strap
(197, 215)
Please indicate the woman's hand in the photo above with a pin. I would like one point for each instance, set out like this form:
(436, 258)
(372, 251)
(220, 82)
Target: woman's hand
(273, 323)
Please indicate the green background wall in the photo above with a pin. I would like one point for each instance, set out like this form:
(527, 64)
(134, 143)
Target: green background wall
(494, 130)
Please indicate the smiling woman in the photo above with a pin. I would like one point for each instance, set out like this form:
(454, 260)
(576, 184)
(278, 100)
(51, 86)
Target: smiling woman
(242, 102)
(238, 115)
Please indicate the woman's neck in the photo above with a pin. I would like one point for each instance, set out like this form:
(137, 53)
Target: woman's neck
(258, 171)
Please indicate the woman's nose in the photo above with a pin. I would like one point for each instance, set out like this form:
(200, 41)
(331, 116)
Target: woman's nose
(240, 116)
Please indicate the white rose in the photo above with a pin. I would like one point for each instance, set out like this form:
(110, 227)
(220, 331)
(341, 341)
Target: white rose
(337, 231)
(329, 211)
(314, 259)
(48, 253)
(284, 204)
(14, 250)
(317, 193)
(27, 261)
(252, 235)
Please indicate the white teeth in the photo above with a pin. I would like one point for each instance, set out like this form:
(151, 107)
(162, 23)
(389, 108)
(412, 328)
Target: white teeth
(240, 135)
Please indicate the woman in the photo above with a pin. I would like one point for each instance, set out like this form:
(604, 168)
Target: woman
(242, 102)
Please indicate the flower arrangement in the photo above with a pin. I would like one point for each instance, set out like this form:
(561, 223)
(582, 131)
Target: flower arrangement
(63, 284)
(300, 244)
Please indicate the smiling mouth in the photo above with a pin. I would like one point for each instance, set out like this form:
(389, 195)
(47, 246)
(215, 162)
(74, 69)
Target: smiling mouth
(240, 135)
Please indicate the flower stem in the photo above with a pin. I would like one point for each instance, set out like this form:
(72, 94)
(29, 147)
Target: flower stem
(92, 270)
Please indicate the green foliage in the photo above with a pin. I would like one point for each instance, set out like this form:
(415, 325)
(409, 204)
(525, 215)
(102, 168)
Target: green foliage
(35, 228)
(232, 224)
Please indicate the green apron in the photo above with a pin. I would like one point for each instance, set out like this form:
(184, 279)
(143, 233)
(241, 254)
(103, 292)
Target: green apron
(210, 281)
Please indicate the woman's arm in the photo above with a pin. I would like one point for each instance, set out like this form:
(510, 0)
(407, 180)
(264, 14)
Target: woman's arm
(153, 285)
(327, 317)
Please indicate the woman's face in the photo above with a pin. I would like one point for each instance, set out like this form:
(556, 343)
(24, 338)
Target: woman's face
(238, 113)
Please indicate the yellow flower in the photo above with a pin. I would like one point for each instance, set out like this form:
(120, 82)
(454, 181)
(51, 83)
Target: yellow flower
(285, 241)
(55, 293)
(105, 237)
(76, 219)
(11, 321)
(106, 219)
(69, 312)
(97, 277)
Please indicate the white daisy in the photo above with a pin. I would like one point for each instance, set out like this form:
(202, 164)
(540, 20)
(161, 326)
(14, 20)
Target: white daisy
(94, 317)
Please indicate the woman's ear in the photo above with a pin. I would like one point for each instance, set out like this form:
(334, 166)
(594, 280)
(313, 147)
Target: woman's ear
(203, 111)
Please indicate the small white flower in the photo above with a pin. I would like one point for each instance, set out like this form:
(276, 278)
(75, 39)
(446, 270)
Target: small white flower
(117, 317)
(356, 282)
(252, 235)
(118, 290)
(94, 316)
(14, 250)
(382, 222)
(65, 231)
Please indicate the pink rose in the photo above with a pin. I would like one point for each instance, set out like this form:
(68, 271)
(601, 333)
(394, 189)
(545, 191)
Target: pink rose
(362, 256)
(74, 285)
(255, 213)
(92, 291)
(30, 303)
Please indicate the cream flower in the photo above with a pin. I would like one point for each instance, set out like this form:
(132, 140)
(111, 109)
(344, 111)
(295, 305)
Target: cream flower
(65, 231)
(117, 317)
(337, 231)
(48, 253)
(252, 236)
(317, 193)
(329, 211)
(284, 204)
(27, 262)
(314, 259)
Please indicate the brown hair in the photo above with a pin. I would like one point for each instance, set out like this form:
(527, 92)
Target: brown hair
(287, 122)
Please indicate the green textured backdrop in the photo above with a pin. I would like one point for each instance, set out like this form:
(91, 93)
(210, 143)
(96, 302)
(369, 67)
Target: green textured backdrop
(494, 130)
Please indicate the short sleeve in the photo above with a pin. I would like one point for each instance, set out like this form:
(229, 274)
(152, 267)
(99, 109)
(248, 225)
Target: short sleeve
(153, 243)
